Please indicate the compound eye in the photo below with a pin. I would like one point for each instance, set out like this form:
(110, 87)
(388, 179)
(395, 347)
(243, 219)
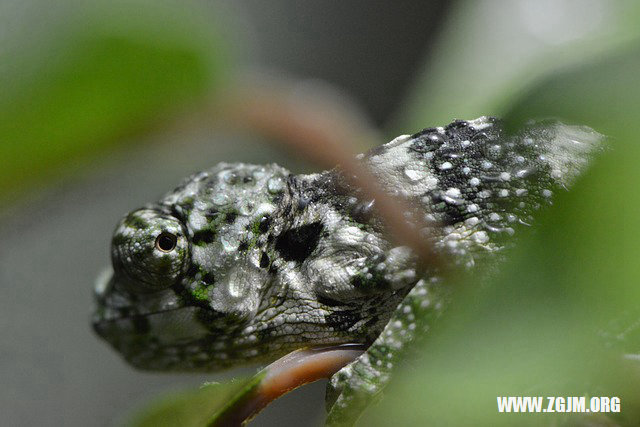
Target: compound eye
(166, 242)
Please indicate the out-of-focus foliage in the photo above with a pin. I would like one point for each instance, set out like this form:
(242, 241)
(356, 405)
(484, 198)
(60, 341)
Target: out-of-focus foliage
(491, 50)
(197, 408)
(79, 76)
(559, 317)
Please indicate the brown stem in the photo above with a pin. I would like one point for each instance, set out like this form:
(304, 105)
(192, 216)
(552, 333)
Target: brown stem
(329, 140)
(285, 374)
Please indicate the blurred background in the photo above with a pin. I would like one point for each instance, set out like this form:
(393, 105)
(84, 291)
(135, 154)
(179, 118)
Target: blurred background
(101, 111)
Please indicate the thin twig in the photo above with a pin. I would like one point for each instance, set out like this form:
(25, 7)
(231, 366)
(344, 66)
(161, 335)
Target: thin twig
(313, 130)
(285, 374)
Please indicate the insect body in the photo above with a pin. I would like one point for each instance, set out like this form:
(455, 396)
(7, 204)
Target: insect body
(244, 263)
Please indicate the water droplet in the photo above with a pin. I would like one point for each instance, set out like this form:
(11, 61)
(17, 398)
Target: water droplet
(453, 192)
(220, 199)
(259, 174)
(235, 289)
(200, 176)
(452, 244)
(229, 242)
(445, 166)
(246, 208)
(415, 174)
(474, 182)
(522, 173)
(470, 222)
(228, 176)
(452, 196)
(275, 185)
(481, 237)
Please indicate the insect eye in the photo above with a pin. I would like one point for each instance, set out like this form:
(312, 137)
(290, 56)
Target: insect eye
(166, 242)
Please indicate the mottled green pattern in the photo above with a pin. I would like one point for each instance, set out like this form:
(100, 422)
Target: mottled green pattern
(244, 263)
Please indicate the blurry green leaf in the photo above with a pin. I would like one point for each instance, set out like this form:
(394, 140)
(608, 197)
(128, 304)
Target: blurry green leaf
(207, 406)
(490, 51)
(542, 327)
(96, 73)
(602, 93)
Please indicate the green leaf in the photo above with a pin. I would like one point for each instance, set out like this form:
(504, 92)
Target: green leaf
(561, 314)
(489, 52)
(210, 405)
(96, 72)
